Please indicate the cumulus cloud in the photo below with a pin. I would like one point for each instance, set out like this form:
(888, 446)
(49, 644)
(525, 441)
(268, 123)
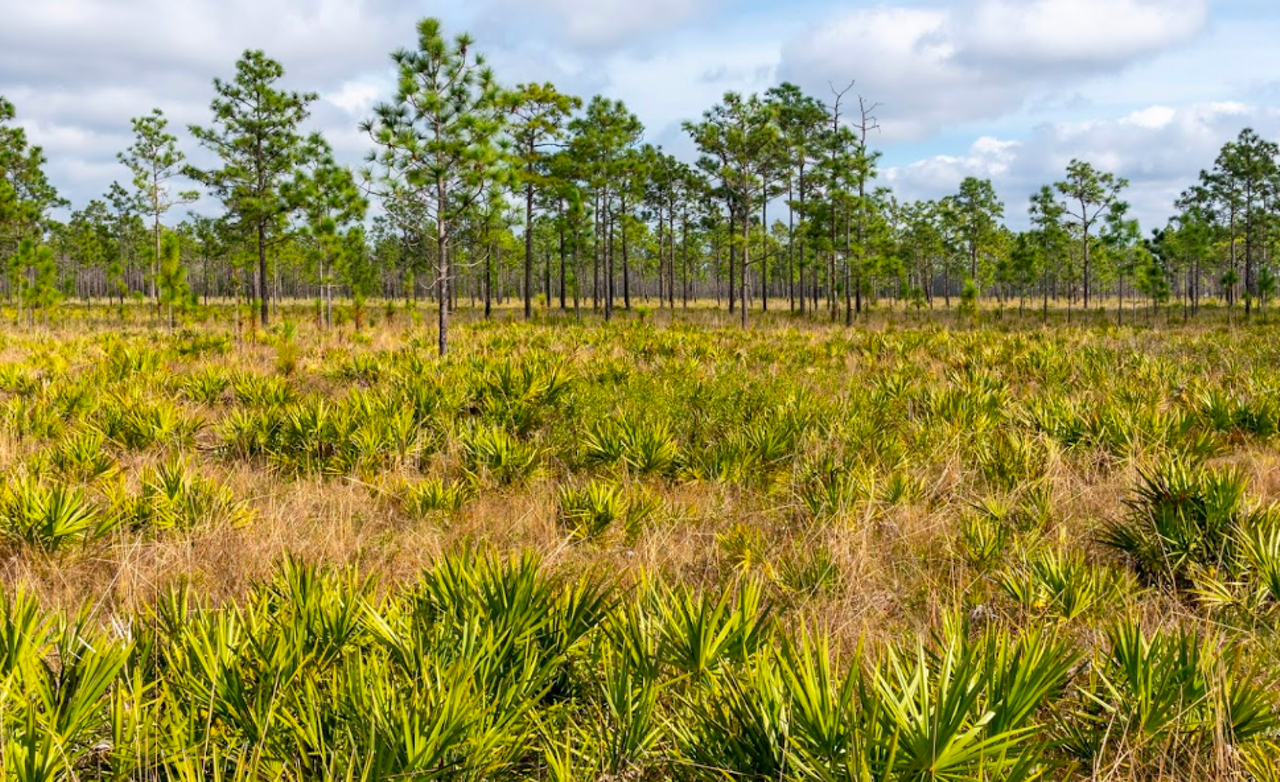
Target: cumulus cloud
(148, 41)
(988, 158)
(78, 70)
(356, 97)
(980, 59)
(1072, 34)
(599, 24)
(1160, 149)
(703, 74)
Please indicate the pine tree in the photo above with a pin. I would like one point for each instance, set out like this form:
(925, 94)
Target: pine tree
(256, 134)
(603, 143)
(171, 278)
(1048, 217)
(980, 211)
(34, 275)
(331, 206)
(1246, 175)
(438, 140)
(801, 121)
(26, 195)
(538, 114)
(1089, 194)
(1122, 240)
(733, 137)
(154, 160)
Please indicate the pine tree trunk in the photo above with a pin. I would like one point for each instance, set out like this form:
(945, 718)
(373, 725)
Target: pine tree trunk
(262, 273)
(528, 251)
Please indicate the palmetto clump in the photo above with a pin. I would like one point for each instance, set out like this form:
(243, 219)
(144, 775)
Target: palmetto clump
(1184, 522)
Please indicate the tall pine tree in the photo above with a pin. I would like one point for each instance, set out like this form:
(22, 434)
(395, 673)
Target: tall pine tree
(256, 134)
(438, 140)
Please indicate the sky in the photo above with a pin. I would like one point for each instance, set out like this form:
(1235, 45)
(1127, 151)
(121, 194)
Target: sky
(1009, 90)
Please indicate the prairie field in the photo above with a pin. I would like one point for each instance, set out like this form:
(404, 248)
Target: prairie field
(662, 548)
(800, 392)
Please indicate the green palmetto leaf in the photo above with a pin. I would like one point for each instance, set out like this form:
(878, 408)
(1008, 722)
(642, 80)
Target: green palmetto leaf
(47, 516)
(1260, 545)
(700, 634)
(740, 729)
(33, 754)
(831, 724)
(629, 727)
(942, 725)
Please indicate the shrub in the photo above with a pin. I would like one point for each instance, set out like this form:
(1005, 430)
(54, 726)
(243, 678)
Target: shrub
(588, 511)
(48, 516)
(495, 454)
(1063, 584)
(808, 571)
(434, 495)
(83, 457)
(175, 496)
(520, 396)
(207, 387)
(641, 447)
(1184, 520)
(136, 423)
(1160, 701)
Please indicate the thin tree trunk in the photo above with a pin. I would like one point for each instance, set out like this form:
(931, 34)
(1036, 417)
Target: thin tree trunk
(528, 251)
(562, 251)
(262, 274)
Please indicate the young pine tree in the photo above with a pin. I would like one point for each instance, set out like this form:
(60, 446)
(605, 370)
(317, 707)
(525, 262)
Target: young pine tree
(171, 278)
(33, 273)
(331, 207)
(155, 160)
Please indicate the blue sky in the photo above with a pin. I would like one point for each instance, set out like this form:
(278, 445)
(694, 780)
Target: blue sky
(1006, 89)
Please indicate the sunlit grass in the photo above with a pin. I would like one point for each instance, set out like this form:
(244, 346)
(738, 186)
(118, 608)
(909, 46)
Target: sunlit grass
(990, 550)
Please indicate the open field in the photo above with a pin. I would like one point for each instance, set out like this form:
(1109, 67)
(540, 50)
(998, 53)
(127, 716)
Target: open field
(658, 549)
(912, 416)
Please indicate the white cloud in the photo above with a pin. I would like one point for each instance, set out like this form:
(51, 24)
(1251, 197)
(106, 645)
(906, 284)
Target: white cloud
(1152, 118)
(1160, 149)
(897, 54)
(86, 41)
(596, 24)
(603, 22)
(703, 72)
(79, 69)
(987, 158)
(1073, 33)
(936, 67)
(357, 97)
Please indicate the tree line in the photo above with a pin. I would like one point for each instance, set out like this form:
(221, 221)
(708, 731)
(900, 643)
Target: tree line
(490, 194)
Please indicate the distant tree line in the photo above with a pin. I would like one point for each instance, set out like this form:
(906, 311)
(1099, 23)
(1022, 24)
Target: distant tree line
(489, 194)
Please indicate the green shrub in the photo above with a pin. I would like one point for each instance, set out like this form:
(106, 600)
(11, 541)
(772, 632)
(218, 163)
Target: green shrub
(1185, 521)
(641, 447)
(83, 457)
(48, 516)
(176, 496)
(588, 511)
(494, 454)
(434, 495)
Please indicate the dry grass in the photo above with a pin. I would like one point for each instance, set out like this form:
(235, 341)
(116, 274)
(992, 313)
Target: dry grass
(900, 563)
